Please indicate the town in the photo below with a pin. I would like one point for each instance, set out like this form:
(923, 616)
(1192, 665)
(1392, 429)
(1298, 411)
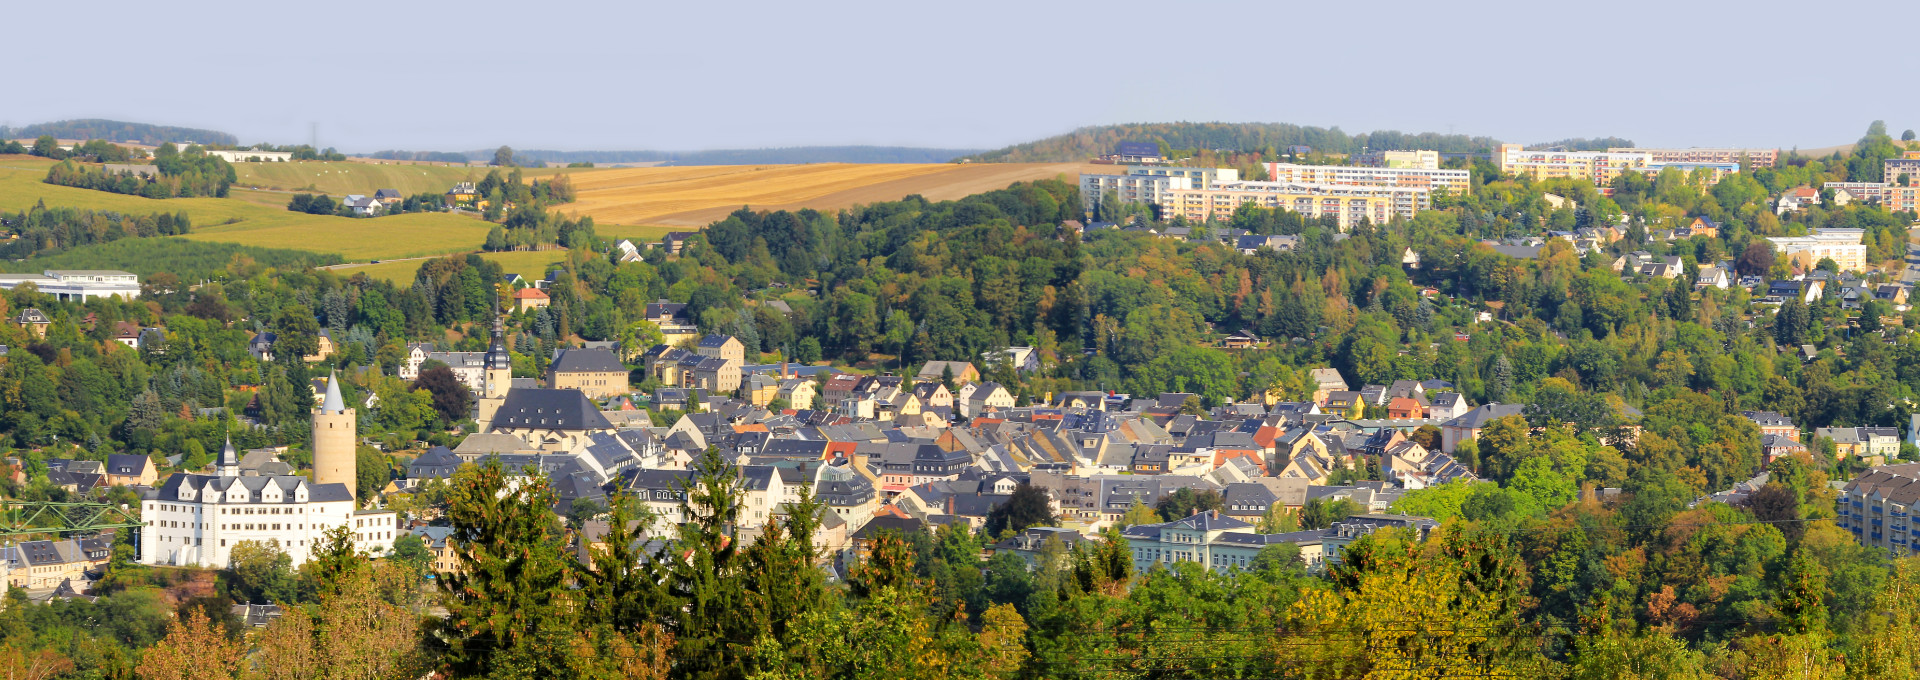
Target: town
(1376, 405)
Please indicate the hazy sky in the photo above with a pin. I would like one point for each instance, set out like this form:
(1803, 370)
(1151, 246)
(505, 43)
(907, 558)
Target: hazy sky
(700, 75)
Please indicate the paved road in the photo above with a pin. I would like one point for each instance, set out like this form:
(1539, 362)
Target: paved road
(1911, 275)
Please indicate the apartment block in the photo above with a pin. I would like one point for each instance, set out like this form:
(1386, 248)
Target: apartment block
(1412, 160)
(1456, 181)
(1841, 245)
(1150, 184)
(1874, 507)
(1907, 164)
(1599, 167)
(1130, 188)
(1349, 204)
(1758, 158)
(1714, 171)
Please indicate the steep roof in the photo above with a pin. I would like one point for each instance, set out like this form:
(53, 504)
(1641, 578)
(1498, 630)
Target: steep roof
(333, 402)
(550, 409)
(587, 360)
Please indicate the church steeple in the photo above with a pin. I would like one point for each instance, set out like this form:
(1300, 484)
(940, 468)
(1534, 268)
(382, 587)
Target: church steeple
(499, 362)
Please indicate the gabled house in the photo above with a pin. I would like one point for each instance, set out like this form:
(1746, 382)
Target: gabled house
(1022, 359)
(1240, 339)
(34, 320)
(963, 372)
(363, 206)
(1712, 277)
(1467, 427)
(1325, 382)
(129, 470)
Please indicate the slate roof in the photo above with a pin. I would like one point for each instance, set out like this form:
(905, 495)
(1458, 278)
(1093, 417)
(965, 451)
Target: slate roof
(1481, 415)
(587, 360)
(551, 410)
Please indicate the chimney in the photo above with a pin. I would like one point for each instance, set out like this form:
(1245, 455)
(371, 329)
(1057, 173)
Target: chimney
(1216, 513)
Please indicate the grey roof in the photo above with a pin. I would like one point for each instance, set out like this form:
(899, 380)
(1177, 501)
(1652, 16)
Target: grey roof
(126, 464)
(436, 456)
(1481, 415)
(550, 409)
(333, 402)
(587, 360)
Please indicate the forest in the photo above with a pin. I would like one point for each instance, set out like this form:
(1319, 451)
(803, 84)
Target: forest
(182, 174)
(44, 231)
(1095, 141)
(120, 131)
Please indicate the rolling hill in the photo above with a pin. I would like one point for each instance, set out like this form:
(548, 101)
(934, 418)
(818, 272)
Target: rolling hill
(340, 178)
(1090, 142)
(119, 131)
(229, 220)
(769, 156)
(689, 197)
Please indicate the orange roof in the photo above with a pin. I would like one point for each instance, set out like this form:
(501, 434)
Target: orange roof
(750, 427)
(1403, 404)
(891, 510)
(529, 294)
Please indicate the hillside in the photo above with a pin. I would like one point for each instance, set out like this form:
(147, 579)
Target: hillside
(777, 156)
(227, 220)
(350, 177)
(119, 131)
(188, 259)
(690, 197)
(1090, 142)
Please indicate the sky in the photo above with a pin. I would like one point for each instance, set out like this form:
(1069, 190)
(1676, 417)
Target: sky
(616, 74)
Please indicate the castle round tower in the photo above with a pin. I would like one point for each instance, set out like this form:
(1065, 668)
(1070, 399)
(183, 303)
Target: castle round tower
(335, 441)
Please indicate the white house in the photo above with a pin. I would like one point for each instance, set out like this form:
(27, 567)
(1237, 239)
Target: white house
(1023, 359)
(364, 206)
(197, 520)
(1712, 277)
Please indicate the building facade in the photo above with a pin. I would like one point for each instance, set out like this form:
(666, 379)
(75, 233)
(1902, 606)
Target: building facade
(78, 285)
(592, 370)
(197, 520)
(1876, 508)
(1418, 160)
(1457, 181)
(1349, 205)
(1599, 167)
(1757, 158)
(1843, 246)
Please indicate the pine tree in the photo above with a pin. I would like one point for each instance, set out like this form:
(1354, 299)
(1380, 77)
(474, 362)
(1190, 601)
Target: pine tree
(506, 604)
(1500, 379)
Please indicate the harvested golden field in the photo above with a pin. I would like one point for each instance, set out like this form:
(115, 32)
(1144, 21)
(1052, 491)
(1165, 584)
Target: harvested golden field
(696, 195)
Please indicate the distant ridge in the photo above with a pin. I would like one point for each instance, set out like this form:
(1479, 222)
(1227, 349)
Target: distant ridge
(120, 131)
(1092, 141)
(775, 156)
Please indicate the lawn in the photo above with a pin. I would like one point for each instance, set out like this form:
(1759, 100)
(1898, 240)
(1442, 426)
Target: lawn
(256, 221)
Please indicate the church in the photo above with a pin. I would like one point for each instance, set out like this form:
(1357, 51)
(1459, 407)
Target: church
(197, 520)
